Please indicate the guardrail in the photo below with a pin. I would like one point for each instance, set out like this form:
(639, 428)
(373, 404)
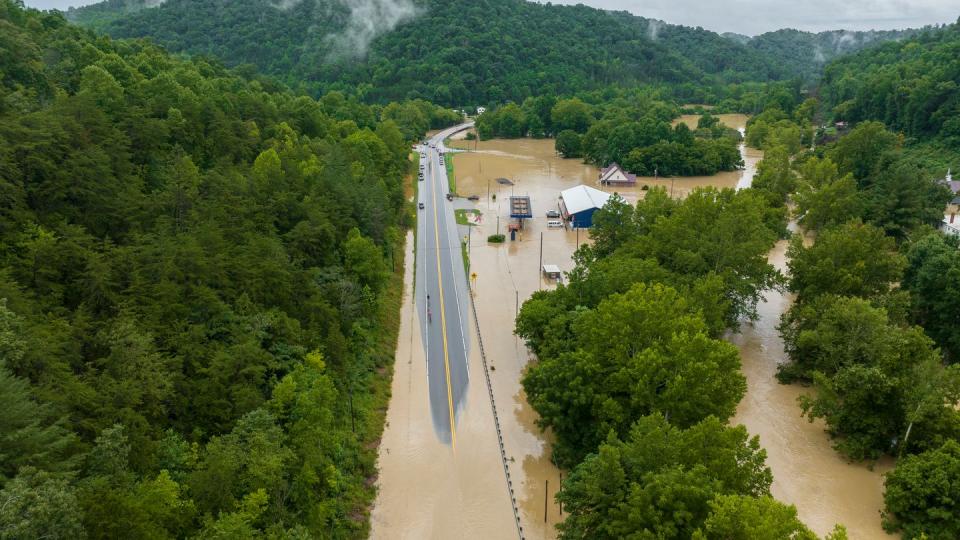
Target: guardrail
(496, 417)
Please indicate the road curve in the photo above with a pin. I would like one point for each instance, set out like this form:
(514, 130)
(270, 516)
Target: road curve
(441, 278)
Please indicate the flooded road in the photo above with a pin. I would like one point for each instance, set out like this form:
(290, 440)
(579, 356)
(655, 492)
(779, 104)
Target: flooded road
(807, 471)
(426, 490)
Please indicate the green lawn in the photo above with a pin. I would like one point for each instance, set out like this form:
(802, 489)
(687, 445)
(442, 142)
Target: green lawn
(451, 179)
(462, 219)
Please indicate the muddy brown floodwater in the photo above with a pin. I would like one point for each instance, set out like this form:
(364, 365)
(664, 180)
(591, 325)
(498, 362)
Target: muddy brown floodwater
(807, 471)
(428, 491)
(425, 489)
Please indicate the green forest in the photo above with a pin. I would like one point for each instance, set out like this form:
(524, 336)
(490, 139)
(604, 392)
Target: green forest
(203, 214)
(912, 86)
(805, 53)
(199, 290)
(484, 52)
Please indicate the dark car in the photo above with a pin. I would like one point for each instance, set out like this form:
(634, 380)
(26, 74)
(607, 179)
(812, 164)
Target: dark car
(421, 206)
(553, 214)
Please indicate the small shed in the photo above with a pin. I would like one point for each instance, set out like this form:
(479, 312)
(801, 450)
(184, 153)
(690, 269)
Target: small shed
(578, 204)
(615, 175)
(552, 271)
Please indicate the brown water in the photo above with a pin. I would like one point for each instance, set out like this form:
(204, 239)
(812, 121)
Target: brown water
(807, 471)
(427, 491)
(506, 276)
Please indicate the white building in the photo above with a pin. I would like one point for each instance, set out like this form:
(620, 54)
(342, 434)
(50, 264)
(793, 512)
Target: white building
(578, 204)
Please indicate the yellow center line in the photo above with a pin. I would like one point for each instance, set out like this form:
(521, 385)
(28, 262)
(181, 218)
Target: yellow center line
(443, 316)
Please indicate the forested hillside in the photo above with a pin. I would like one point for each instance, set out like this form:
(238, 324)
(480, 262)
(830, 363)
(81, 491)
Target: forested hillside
(805, 53)
(99, 15)
(479, 52)
(912, 86)
(199, 303)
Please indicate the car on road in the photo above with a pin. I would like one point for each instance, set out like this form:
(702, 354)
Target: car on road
(420, 206)
(553, 214)
(554, 223)
(473, 198)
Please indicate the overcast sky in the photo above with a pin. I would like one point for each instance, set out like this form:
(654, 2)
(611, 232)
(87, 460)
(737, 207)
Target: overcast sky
(754, 17)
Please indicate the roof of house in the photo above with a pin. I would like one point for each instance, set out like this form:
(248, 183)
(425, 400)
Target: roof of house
(606, 172)
(580, 198)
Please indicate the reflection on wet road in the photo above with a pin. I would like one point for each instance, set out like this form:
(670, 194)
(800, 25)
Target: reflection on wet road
(441, 292)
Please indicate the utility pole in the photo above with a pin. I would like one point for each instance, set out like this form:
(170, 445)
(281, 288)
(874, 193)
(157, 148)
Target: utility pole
(540, 277)
(561, 492)
(546, 489)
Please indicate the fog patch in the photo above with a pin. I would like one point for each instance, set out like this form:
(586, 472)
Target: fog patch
(653, 28)
(285, 5)
(367, 20)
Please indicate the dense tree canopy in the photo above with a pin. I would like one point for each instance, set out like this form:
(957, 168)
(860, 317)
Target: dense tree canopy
(910, 85)
(805, 53)
(854, 259)
(484, 52)
(197, 272)
(641, 352)
(660, 480)
(634, 332)
(922, 494)
(933, 279)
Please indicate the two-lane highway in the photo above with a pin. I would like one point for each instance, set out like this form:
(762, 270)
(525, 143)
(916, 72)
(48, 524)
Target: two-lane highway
(441, 291)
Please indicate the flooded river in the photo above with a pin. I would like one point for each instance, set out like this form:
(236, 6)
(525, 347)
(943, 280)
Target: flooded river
(428, 491)
(807, 471)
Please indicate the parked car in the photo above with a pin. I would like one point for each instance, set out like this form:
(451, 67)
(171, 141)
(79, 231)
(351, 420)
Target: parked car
(553, 214)
(474, 198)
(421, 206)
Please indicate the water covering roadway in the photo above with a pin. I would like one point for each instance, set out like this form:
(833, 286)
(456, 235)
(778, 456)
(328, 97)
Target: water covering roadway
(442, 279)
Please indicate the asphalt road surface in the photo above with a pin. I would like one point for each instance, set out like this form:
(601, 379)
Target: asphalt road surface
(441, 292)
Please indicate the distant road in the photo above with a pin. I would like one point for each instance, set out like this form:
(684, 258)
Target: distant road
(441, 278)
